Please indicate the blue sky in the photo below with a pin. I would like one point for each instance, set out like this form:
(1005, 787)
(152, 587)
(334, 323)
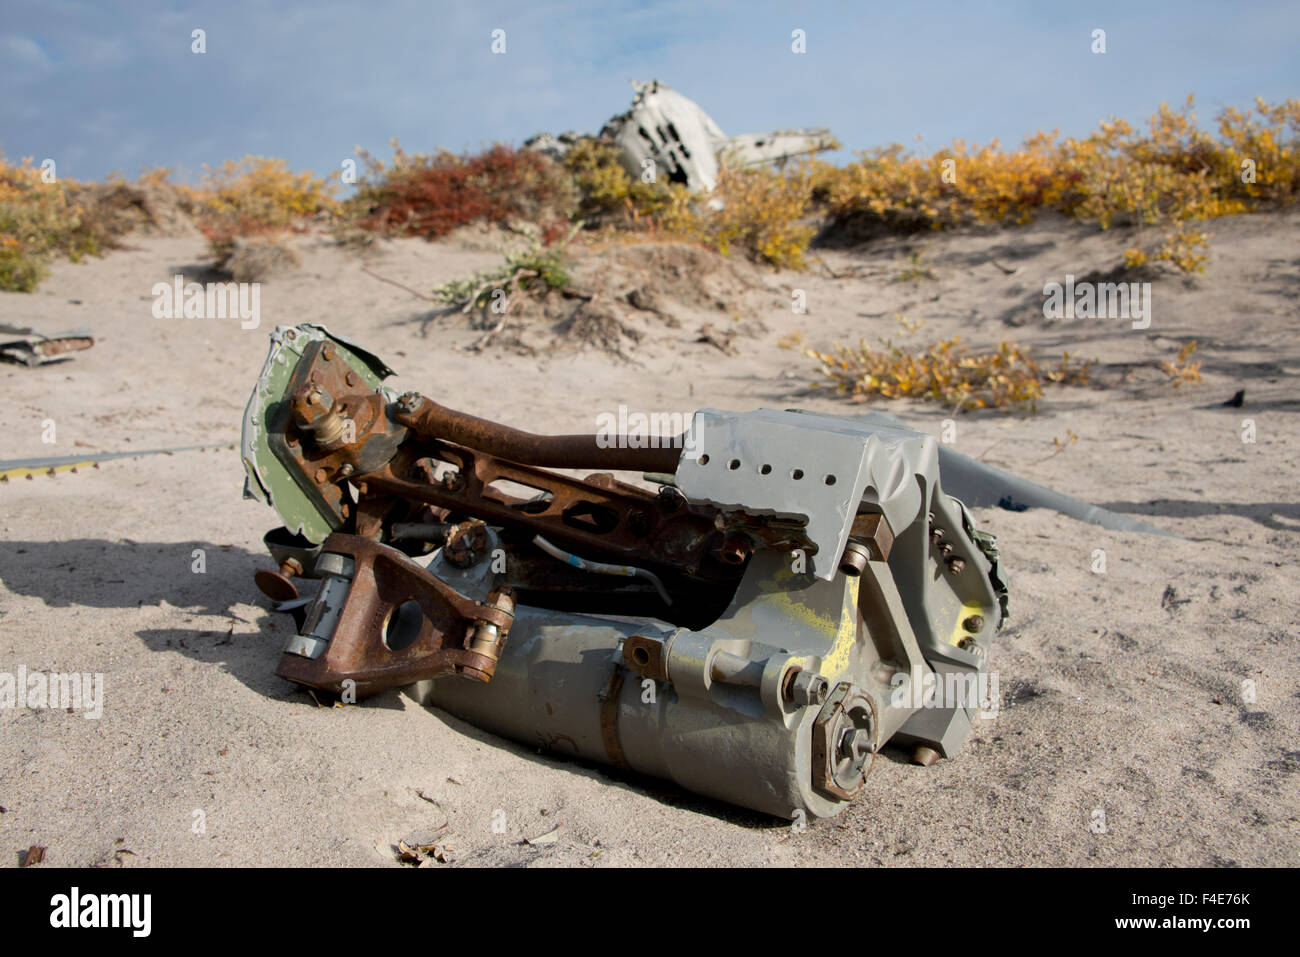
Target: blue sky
(101, 86)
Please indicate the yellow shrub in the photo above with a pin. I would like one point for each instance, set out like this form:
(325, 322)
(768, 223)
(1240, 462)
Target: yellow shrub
(1182, 369)
(265, 189)
(756, 211)
(38, 220)
(959, 185)
(945, 372)
(257, 195)
(1261, 146)
(607, 191)
(1172, 173)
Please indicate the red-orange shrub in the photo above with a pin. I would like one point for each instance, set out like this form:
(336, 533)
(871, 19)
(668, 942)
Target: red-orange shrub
(429, 196)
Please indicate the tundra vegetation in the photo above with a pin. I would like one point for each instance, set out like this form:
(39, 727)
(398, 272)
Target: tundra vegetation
(1161, 184)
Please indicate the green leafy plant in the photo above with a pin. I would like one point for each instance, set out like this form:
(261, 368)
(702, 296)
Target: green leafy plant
(536, 268)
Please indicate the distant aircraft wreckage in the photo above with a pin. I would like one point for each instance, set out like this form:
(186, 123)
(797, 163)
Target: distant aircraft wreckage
(673, 136)
(31, 348)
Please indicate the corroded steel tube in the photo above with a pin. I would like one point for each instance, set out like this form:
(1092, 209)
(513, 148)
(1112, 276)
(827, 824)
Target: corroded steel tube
(429, 419)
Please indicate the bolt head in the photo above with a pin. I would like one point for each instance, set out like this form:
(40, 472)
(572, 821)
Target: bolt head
(856, 743)
(809, 689)
(670, 499)
(856, 557)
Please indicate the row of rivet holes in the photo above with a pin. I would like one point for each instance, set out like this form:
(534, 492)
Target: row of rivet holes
(734, 464)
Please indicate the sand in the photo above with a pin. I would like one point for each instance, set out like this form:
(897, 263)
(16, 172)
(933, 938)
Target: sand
(1130, 733)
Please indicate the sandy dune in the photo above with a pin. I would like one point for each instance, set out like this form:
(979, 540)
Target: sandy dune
(1123, 691)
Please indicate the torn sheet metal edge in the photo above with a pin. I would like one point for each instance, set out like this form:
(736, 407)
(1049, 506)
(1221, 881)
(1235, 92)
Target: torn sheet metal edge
(301, 517)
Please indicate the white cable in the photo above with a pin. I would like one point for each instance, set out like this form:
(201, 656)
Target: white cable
(600, 568)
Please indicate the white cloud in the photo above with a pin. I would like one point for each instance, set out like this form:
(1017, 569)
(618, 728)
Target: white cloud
(24, 51)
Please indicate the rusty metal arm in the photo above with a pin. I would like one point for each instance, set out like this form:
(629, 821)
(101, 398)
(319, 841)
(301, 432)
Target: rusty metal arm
(430, 420)
(382, 621)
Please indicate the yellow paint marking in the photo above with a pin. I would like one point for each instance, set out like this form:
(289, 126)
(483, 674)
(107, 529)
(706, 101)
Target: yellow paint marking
(843, 633)
(837, 660)
(959, 631)
(8, 474)
(797, 609)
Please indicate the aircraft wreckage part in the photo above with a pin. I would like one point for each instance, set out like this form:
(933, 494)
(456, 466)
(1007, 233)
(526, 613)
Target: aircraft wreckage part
(786, 604)
(669, 133)
(592, 516)
(303, 509)
(380, 621)
(717, 711)
(801, 465)
(26, 468)
(31, 348)
(602, 568)
(432, 420)
(982, 485)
